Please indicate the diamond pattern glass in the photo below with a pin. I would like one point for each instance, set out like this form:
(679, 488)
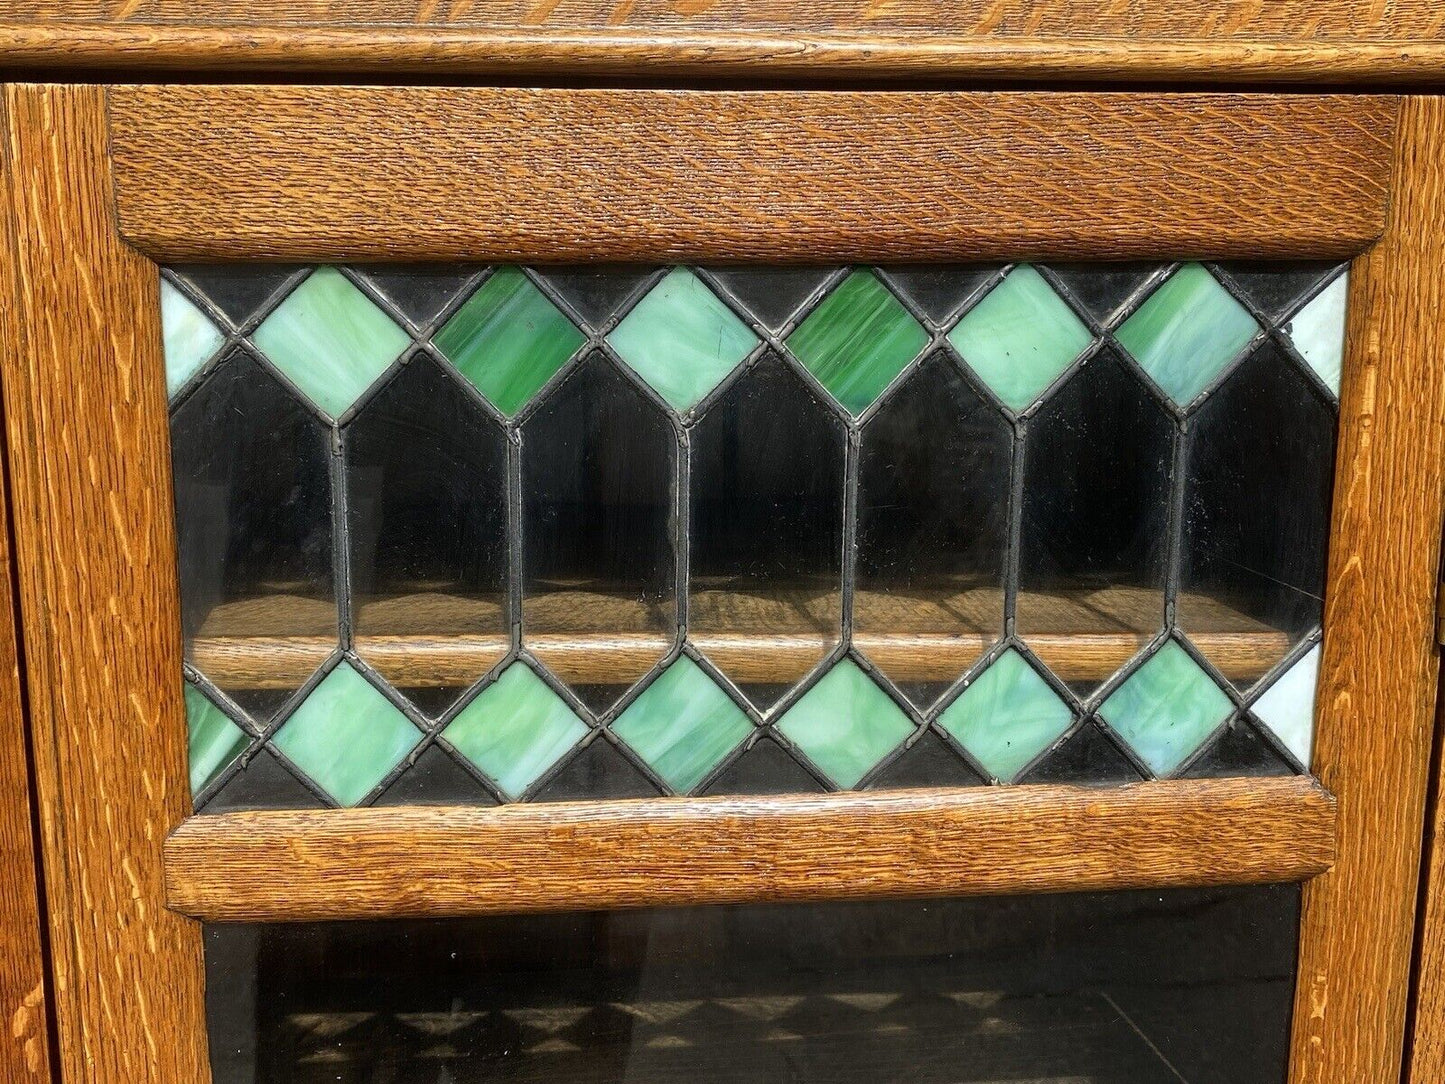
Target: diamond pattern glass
(330, 340)
(858, 339)
(845, 724)
(682, 339)
(508, 339)
(515, 730)
(346, 736)
(190, 337)
(1166, 708)
(1020, 337)
(1187, 332)
(213, 739)
(1006, 716)
(682, 725)
(1287, 707)
(1317, 331)
(579, 533)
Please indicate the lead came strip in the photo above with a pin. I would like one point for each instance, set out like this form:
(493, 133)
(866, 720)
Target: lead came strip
(609, 532)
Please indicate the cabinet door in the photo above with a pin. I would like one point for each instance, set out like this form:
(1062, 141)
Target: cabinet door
(753, 585)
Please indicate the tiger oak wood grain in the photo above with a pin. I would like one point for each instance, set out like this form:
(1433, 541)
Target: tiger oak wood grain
(1376, 695)
(1212, 40)
(24, 1015)
(388, 173)
(372, 863)
(85, 412)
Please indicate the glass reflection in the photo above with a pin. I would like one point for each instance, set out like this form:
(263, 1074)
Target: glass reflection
(1127, 988)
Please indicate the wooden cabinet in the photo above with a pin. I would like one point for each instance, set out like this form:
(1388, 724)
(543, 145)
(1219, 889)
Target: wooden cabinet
(133, 199)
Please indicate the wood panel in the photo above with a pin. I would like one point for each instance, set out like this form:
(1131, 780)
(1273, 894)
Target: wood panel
(86, 426)
(370, 863)
(1213, 40)
(337, 174)
(1377, 678)
(24, 998)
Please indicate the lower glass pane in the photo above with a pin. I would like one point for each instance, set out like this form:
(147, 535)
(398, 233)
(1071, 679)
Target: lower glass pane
(1140, 987)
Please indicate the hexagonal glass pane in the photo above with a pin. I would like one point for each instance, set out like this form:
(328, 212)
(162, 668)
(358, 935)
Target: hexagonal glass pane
(426, 504)
(933, 497)
(599, 571)
(253, 525)
(767, 496)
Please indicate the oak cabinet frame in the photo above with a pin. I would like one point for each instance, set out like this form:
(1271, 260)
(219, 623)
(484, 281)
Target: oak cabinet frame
(103, 183)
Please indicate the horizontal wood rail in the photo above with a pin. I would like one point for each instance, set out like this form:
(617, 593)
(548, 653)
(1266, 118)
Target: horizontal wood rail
(1214, 40)
(250, 173)
(381, 863)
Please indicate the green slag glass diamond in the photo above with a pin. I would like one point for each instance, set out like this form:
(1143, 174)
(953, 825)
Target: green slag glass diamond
(858, 340)
(214, 741)
(330, 339)
(189, 336)
(346, 736)
(508, 339)
(1318, 332)
(845, 724)
(1187, 333)
(515, 729)
(682, 725)
(1166, 709)
(1007, 716)
(682, 339)
(1020, 337)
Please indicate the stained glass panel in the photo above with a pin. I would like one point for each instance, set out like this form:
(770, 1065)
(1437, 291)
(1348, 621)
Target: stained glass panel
(493, 534)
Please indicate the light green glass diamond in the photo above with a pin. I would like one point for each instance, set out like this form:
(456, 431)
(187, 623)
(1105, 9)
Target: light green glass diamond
(682, 725)
(189, 336)
(515, 729)
(1166, 709)
(1007, 716)
(858, 339)
(508, 339)
(845, 724)
(346, 736)
(330, 339)
(1318, 332)
(213, 739)
(1020, 337)
(682, 339)
(1187, 333)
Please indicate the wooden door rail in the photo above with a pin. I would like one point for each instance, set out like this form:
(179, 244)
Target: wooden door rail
(219, 173)
(301, 865)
